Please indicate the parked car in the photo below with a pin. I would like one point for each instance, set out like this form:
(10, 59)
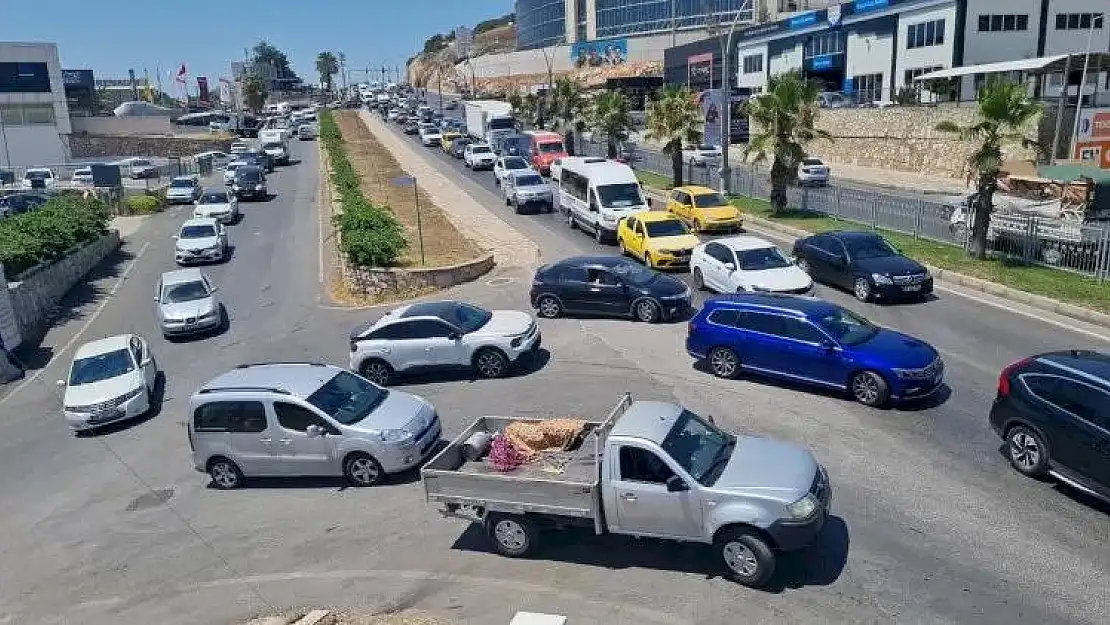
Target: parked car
(334, 422)
(610, 286)
(863, 262)
(250, 182)
(430, 136)
(747, 263)
(658, 238)
(16, 203)
(505, 165)
(183, 190)
(442, 335)
(200, 240)
(83, 176)
(810, 341)
(39, 178)
(813, 172)
(701, 155)
(479, 156)
(218, 204)
(110, 380)
(526, 191)
(651, 470)
(186, 303)
(459, 146)
(704, 209)
(138, 168)
(1051, 411)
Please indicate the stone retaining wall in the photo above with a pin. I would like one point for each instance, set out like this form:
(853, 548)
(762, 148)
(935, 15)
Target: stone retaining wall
(109, 146)
(36, 294)
(381, 282)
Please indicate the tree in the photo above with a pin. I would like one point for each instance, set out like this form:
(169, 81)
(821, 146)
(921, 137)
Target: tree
(569, 108)
(786, 115)
(254, 92)
(675, 119)
(610, 116)
(1005, 112)
(267, 56)
(327, 66)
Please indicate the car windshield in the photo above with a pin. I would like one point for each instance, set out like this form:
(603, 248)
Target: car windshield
(529, 181)
(812, 161)
(181, 184)
(710, 200)
(666, 228)
(707, 148)
(197, 232)
(762, 259)
(515, 162)
(214, 198)
(847, 327)
(36, 175)
(184, 292)
(552, 147)
(480, 149)
(634, 273)
(870, 247)
(699, 448)
(348, 398)
(620, 195)
(272, 146)
(100, 367)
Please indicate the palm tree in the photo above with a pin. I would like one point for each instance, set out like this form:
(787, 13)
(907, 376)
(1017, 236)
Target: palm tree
(1005, 112)
(327, 65)
(675, 119)
(254, 92)
(568, 109)
(785, 115)
(611, 117)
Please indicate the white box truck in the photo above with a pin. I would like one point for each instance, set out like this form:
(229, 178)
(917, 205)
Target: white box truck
(489, 120)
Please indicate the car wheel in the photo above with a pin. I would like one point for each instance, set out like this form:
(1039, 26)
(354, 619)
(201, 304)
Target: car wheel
(1026, 451)
(511, 535)
(647, 311)
(377, 371)
(862, 290)
(802, 264)
(225, 474)
(491, 363)
(362, 470)
(699, 280)
(549, 307)
(870, 389)
(748, 559)
(724, 363)
(570, 220)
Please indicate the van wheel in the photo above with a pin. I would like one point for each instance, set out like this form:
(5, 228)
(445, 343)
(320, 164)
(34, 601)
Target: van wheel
(512, 536)
(225, 474)
(362, 470)
(747, 558)
(724, 363)
(870, 389)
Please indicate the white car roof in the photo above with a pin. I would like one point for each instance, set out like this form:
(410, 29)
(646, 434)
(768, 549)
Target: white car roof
(103, 346)
(190, 178)
(39, 170)
(743, 243)
(200, 221)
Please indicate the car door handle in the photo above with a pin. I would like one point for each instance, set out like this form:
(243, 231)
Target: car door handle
(286, 441)
(383, 350)
(265, 441)
(628, 497)
(595, 290)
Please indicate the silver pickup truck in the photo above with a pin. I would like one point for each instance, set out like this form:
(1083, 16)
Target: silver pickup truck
(650, 469)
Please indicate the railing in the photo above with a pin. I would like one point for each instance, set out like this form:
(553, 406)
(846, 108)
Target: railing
(63, 173)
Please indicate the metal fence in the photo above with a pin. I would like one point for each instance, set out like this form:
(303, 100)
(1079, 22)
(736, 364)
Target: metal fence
(159, 175)
(1083, 249)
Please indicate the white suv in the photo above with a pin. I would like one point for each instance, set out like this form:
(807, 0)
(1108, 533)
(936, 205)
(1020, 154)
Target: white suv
(479, 156)
(442, 335)
(430, 136)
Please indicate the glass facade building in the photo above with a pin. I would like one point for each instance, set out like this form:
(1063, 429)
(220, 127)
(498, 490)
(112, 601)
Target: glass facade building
(540, 23)
(621, 18)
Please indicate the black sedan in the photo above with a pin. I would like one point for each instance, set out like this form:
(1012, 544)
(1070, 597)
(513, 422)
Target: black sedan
(458, 146)
(608, 285)
(863, 262)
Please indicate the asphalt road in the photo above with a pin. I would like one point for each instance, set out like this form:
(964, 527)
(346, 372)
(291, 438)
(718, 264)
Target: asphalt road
(930, 525)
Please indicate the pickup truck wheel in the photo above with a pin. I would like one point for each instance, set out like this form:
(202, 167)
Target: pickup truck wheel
(362, 470)
(747, 558)
(512, 536)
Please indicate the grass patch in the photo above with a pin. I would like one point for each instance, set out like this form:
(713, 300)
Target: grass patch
(654, 180)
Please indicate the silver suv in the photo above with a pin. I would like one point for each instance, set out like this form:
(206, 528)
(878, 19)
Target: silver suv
(306, 419)
(525, 191)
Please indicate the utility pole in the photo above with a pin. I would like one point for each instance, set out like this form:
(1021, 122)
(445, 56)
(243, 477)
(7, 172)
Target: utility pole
(343, 70)
(383, 74)
(726, 87)
(674, 24)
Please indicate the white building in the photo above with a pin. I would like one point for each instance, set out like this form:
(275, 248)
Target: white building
(34, 115)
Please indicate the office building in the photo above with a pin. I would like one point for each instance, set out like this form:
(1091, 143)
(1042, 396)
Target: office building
(34, 113)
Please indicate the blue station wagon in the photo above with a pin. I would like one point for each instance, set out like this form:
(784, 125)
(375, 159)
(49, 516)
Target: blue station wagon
(808, 340)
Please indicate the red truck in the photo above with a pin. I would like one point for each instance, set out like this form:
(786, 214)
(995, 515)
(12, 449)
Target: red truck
(544, 147)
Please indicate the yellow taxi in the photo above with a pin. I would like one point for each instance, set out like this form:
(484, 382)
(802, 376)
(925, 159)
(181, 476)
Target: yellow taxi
(658, 238)
(447, 138)
(704, 210)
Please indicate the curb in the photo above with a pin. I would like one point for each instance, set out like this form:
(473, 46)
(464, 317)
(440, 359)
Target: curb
(1039, 302)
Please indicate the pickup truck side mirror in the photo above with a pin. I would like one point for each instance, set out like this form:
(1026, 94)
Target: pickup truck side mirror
(676, 484)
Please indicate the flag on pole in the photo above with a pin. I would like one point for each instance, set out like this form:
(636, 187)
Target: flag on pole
(182, 74)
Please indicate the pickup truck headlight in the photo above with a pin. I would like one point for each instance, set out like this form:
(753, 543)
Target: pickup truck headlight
(803, 508)
(881, 279)
(395, 436)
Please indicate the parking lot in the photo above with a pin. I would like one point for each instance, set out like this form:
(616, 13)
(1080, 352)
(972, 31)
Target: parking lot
(930, 524)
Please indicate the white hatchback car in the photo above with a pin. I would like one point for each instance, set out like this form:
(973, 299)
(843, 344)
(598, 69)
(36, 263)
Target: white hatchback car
(442, 335)
(110, 380)
(479, 156)
(813, 171)
(746, 264)
(218, 204)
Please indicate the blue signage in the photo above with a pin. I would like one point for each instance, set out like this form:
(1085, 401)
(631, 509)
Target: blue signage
(803, 20)
(599, 53)
(849, 86)
(825, 61)
(862, 6)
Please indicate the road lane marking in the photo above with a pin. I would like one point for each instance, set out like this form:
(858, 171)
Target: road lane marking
(84, 327)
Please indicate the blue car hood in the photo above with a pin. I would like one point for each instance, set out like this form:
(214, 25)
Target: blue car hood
(898, 350)
(890, 265)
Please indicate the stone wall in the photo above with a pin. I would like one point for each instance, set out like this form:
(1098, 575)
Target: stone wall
(39, 289)
(122, 125)
(902, 139)
(381, 282)
(108, 146)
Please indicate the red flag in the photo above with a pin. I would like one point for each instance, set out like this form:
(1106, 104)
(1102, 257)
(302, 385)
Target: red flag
(181, 74)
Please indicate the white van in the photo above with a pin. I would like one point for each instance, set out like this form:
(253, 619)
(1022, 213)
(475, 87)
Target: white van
(595, 194)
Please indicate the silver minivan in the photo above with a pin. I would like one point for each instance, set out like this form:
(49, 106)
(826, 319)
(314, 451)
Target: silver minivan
(306, 419)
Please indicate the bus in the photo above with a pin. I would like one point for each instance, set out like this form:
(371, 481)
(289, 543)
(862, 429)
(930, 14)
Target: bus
(595, 194)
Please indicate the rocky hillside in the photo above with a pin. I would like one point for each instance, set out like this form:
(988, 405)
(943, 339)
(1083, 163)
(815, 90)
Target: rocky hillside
(440, 55)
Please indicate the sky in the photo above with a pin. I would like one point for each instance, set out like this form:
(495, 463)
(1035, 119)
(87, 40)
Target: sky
(112, 36)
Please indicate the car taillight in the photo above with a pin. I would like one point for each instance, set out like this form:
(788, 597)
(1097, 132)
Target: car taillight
(690, 329)
(1007, 373)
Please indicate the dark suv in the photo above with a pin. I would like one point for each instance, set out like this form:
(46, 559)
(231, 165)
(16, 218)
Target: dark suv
(1053, 411)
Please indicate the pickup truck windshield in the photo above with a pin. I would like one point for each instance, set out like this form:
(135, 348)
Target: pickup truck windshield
(699, 448)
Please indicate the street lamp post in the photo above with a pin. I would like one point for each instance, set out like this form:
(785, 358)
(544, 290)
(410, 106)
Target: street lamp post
(726, 88)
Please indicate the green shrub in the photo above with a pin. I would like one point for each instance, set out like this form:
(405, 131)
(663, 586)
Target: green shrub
(49, 232)
(369, 235)
(143, 204)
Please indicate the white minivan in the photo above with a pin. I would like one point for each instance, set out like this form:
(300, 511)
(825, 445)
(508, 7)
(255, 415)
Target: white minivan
(595, 194)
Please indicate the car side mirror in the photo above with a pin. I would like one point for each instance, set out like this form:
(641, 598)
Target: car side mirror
(828, 346)
(730, 266)
(455, 336)
(676, 484)
(61, 383)
(176, 237)
(314, 431)
(215, 289)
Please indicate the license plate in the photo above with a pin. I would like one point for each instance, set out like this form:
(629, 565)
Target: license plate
(911, 288)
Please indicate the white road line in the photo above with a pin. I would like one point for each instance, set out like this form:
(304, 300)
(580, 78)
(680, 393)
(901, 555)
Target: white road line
(84, 327)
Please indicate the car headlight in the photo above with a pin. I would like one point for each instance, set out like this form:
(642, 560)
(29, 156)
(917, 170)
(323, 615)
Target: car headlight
(131, 395)
(399, 435)
(881, 279)
(803, 508)
(210, 314)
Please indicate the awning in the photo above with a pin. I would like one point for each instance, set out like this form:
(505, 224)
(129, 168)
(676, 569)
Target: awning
(1099, 62)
